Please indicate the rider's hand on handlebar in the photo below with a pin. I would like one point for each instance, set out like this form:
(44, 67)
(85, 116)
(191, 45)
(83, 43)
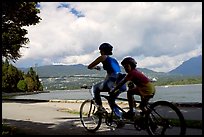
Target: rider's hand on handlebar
(97, 68)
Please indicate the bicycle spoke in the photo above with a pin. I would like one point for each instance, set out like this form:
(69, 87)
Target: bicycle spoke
(88, 116)
(165, 119)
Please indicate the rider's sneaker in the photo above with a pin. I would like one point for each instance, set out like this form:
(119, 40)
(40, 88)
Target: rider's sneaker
(154, 128)
(129, 114)
(120, 123)
(101, 109)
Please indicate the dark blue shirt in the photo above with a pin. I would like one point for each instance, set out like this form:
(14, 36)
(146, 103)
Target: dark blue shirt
(111, 65)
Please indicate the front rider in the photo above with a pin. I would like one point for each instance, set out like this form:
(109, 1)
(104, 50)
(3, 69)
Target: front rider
(113, 70)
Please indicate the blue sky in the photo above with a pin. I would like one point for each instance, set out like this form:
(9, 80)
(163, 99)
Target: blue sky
(159, 35)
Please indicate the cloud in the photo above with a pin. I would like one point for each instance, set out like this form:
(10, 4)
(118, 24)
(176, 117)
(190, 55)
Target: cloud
(158, 33)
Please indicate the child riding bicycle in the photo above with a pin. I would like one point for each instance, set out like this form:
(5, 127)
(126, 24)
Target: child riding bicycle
(142, 86)
(113, 70)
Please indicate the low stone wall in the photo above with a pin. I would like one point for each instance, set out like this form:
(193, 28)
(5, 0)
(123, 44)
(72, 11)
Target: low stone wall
(179, 104)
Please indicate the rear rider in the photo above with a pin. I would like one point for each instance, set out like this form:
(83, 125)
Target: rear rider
(142, 85)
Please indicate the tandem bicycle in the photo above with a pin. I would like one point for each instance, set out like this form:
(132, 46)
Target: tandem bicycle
(160, 117)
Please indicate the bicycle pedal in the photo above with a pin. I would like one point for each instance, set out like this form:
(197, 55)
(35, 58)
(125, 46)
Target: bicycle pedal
(138, 128)
(120, 124)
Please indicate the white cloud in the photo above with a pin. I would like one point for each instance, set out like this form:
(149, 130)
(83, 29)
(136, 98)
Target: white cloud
(160, 34)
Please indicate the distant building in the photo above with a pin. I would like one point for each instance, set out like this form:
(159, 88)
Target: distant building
(153, 79)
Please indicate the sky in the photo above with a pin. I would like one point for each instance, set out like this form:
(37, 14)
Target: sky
(159, 35)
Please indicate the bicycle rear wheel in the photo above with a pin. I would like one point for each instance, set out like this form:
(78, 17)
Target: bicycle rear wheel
(164, 118)
(88, 116)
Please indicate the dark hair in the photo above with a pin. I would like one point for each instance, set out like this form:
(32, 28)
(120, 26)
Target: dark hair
(107, 48)
(129, 60)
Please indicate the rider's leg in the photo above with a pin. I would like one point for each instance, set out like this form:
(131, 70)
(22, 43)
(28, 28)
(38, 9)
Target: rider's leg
(98, 99)
(131, 102)
(111, 101)
(109, 84)
(144, 101)
(131, 99)
(146, 93)
(96, 91)
(100, 87)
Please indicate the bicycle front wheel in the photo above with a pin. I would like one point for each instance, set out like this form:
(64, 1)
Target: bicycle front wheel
(164, 118)
(88, 116)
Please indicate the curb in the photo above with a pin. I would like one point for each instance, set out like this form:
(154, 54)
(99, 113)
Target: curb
(23, 100)
(179, 104)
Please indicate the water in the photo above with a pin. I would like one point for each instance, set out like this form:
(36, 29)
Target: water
(181, 93)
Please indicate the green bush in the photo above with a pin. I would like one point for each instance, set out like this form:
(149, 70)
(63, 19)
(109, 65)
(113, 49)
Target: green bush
(22, 85)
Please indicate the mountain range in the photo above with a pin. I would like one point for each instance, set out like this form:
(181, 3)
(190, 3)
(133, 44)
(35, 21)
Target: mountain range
(191, 67)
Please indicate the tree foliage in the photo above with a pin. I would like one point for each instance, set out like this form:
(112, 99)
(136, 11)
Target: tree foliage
(14, 80)
(15, 15)
(32, 77)
(22, 85)
(10, 77)
(30, 84)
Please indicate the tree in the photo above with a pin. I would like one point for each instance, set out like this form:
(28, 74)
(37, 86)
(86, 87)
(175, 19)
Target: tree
(5, 76)
(15, 15)
(14, 80)
(30, 84)
(10, 77)
(37, 84)
(22, 86)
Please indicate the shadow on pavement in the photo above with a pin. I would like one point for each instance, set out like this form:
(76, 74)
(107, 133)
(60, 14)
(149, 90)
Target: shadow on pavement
(70, 127)
(37, 128)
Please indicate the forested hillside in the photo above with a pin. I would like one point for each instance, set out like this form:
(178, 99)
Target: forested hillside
(74, 76)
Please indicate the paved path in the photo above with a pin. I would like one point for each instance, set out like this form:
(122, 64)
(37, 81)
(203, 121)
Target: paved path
(48, 118)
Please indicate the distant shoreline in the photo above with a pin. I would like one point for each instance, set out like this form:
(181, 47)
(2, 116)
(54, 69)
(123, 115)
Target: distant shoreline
(22, 93)
(177, 85)
(5, 95)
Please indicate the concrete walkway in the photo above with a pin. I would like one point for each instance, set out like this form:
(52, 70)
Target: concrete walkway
(51, 118)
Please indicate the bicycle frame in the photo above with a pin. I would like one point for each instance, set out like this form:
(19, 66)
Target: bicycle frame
(153, 119)
(107, 97)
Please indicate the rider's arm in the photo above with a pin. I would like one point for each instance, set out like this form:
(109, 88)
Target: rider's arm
(120, 84)
(94, 64)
